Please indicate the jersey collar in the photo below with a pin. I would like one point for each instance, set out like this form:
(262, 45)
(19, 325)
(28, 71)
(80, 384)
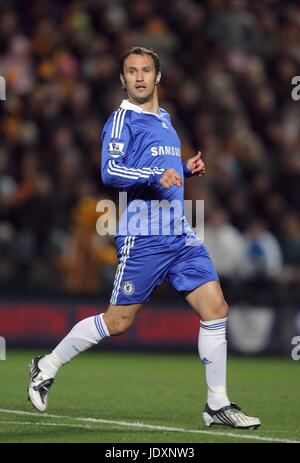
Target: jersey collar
(126, 104)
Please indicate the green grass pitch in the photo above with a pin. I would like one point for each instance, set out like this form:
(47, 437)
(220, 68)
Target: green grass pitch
(100, 397)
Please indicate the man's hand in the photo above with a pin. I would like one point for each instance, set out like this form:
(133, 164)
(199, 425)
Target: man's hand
(196, 165)
(170, 177)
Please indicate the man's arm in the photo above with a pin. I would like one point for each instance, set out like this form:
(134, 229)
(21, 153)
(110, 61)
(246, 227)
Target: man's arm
(193, 166)
(186, 170)
(116, 145)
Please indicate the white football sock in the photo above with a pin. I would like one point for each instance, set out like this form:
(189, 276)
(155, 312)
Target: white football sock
(212, 346)
(82, 336)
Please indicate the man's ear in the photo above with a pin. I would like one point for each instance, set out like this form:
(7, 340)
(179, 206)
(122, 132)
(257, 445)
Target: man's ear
(123, 82)
(157, 79)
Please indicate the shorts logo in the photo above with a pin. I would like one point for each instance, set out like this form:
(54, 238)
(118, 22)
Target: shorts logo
(116, 149)
(128, 288)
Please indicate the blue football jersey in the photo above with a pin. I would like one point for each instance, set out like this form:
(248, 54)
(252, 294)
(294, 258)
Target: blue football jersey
(137, 147)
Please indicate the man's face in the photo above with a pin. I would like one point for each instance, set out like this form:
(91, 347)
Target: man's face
(139, 77)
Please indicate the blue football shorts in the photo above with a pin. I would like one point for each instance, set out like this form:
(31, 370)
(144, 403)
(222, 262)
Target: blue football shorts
(147, 261)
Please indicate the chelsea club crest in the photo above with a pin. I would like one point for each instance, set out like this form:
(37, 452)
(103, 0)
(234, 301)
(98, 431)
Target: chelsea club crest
(128, 288)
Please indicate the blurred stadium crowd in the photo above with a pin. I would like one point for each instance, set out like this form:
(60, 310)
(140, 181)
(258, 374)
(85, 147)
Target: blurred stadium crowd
(226, 80)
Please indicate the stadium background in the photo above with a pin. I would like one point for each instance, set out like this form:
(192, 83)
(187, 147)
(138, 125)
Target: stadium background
(227, 68)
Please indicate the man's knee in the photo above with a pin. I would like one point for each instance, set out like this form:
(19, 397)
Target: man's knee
(117, 322)
(220, 310)
(119, 325)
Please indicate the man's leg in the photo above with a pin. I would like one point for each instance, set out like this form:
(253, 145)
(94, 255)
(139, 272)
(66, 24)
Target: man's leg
(86, 333)
(209, 303)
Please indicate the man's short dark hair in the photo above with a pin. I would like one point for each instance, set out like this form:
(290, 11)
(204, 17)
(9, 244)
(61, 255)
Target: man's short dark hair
(140, 51)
